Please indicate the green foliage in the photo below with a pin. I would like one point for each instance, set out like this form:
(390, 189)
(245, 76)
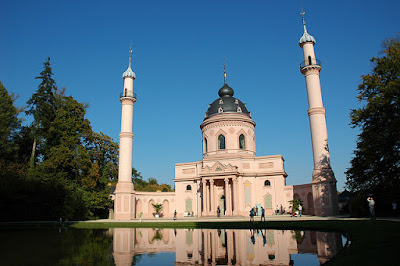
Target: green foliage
(158, 235)
(9, 124)
(150, 185)
(157, 207)
(42, 106)
(295, 204)
(69, 173)
(375, 168)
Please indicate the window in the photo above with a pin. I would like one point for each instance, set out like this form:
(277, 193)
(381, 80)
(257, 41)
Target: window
(267, 183)
(188, 205)
(221, 142)
(309, 60)
(188, 187)
(205, 145)
(268, 201)
(242, 144)
(220, 110)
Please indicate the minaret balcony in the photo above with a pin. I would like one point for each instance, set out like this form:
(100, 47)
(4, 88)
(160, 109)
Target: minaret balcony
(310, 64)
(127, 95)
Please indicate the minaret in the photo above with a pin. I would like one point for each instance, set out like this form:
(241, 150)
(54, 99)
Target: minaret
(323, 179)
(124, 208)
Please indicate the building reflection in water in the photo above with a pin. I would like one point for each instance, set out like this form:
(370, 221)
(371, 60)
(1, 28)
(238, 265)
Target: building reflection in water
(224, 246)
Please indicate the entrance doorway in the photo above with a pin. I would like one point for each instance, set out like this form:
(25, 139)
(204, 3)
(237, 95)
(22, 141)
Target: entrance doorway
(222, 205)
(258, 206)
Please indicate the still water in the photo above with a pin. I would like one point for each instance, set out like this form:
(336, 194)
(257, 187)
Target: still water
(156, 246)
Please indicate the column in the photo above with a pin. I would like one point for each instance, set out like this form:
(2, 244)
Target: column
(198, 199)
(230, 245)
(203, 197)
(207, 199)
(228, 197)
(235, 183)
(214, 238)
(212, 198)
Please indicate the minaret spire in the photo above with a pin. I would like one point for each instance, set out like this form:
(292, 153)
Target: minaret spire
(304, 21)
(225, 71)
(130, 55)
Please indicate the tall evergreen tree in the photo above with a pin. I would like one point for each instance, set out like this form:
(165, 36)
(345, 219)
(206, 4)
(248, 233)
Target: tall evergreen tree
(42, 106)
(9, 124)
(375, 168)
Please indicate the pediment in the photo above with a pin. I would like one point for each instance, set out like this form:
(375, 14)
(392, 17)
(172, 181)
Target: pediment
(219, 167)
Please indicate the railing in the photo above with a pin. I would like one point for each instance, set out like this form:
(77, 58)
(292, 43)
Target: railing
(127, 95)
(310, 62)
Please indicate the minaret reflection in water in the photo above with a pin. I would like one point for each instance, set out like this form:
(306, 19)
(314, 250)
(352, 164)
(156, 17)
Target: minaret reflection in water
(224, 246)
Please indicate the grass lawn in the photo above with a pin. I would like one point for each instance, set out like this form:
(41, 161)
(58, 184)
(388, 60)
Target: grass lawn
(372, 242)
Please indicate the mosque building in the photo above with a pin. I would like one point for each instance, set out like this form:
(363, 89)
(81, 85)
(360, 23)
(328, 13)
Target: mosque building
(230, 177)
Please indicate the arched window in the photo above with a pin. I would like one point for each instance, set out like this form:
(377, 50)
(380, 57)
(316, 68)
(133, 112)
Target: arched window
(242, 144)
(221, 142)
(188, 187)
(267, 183)
(309, 60)
(205, 145)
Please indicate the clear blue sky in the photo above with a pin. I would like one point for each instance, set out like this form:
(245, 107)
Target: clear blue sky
(179, 48)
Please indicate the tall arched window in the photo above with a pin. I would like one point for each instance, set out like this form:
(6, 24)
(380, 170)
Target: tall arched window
(242, 143)
(309, 60)
(205, 145)
(221, 142)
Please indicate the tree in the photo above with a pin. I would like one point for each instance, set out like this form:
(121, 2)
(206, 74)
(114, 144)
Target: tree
(42, 106)
(375, 167)
(10, 124)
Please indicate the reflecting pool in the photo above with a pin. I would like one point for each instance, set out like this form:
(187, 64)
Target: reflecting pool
(164, 246)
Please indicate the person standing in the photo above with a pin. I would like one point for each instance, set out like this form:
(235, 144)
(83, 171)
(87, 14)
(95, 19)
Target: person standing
(174, 215)
(371, 204)
(262, 214)
(218, 212)
(394, 206)
(252, 215)
(300, 209)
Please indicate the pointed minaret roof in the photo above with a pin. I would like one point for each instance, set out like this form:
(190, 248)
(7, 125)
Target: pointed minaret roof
(306, 37)
(225, 91)
(129, 72)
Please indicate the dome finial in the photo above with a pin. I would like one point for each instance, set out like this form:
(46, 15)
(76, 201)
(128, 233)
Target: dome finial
(129, 72)
(224, 71)
(306, 37)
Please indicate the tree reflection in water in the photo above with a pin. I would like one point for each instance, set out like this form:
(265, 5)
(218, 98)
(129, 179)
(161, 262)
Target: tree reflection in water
(146, 246)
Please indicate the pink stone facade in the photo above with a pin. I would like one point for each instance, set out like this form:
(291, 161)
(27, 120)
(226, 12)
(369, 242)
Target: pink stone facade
(230, 177)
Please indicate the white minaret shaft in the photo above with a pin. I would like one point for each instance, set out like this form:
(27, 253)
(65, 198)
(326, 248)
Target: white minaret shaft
(323, 178)
(316, 112)
(124, 208)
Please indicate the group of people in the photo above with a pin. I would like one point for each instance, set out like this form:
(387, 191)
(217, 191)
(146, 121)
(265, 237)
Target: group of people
(254, 212)
(280, 210)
